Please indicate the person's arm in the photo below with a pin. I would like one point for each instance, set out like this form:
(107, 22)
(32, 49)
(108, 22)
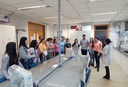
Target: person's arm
(81, 42)
(100, 48)
(24, 55)
(73, 47)
(78, 47)
(54, 49)
(105, 51)
(5, 62)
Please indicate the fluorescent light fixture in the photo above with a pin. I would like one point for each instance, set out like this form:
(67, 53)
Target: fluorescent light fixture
(105, 13)
(33, 7)
(95, 0)
(52, 17)
(102, 20)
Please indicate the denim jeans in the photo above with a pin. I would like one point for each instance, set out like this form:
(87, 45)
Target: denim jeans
(91, 55)
(43, 59)
(27, 64)
(56, 53)
(97, 59)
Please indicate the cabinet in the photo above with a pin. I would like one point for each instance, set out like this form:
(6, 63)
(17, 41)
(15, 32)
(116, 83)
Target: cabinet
(7, 34)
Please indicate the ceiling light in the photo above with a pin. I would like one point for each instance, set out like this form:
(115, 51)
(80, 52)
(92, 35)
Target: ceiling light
(52, 17)
(102, 20)
(33, 7)
(94, 0)
(105, 13)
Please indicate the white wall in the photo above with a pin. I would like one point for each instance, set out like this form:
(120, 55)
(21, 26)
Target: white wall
(22, 23)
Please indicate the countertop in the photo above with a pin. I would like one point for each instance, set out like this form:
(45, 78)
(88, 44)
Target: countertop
(38, 71)
(121, 51)
(69, 75)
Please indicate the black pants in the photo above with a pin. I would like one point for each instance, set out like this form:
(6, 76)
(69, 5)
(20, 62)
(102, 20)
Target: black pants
(97, 59)
(107, 72)
(83, 52)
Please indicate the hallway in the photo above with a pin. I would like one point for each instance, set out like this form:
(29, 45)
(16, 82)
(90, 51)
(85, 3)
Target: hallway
(117, 79)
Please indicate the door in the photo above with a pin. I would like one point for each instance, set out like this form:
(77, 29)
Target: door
(102, 32)
(36, 30)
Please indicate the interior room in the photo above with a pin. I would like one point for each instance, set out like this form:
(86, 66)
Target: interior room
(99, 26)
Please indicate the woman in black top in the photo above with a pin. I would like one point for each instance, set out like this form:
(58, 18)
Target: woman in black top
(67, 45)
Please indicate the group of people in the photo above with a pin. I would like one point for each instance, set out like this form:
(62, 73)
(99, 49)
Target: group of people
(42, 50)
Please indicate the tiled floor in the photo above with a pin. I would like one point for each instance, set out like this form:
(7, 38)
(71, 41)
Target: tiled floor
(117, 77)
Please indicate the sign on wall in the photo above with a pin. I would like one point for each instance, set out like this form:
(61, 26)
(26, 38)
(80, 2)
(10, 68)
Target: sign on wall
(58, 33)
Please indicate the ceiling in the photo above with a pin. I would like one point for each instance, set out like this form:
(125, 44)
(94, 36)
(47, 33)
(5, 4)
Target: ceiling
(84, 9)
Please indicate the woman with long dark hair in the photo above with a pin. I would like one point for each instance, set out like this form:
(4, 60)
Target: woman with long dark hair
(9, 58)
(34, 50)
(24, 53)
(91, 45)
(97, 52)
(106, 57)
(76, 46)
(56, 45)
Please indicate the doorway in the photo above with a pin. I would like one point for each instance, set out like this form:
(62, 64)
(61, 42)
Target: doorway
(35, 30)
(102, 32)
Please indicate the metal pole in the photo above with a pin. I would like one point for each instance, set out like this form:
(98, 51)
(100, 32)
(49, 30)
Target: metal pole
(59, 26)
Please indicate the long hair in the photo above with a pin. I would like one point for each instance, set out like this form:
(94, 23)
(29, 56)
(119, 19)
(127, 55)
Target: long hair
(33, 43)
(22, 42)
(41, 40)
(92, 42)
(75, 41)
(11, 51)
(54, 40)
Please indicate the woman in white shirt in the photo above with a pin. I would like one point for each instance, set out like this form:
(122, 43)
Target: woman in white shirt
(106, 57)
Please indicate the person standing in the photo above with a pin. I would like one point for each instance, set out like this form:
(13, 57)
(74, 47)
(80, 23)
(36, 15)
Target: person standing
(91, 45)
(97, 52)
(50, 48)
(33, 48)
(40, 37)
(106, 57)
(43, 50)
(68, 44)
(75, 46)
(56, 47)
(84, 45)
(62, 45)
(10, 57)
(24, 53)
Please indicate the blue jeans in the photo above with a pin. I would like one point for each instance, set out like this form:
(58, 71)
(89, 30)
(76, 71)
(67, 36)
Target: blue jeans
(27, 64)
(56, 53)
(43, 59)
(62, 52)
(91, 55)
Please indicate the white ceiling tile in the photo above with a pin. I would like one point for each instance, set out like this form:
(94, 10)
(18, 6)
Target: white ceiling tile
(77, 1)
(63, 8)
(108, 3)
(80, 6)
(50, 14)
(107, 9)
(28, 4)
(55, 2)
(16, 1)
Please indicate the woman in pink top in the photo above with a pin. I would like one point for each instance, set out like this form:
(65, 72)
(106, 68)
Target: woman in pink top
(97, 52)
(56, 45)
(91, 45)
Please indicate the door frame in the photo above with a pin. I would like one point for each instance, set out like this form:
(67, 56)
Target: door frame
(36, 24)
(102, 30)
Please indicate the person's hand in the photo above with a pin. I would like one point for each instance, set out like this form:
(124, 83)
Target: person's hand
(39, 62)
(36, 55)
(98, 54)
(54, 54)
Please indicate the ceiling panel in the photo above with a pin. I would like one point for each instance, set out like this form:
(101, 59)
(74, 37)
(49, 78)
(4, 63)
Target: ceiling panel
(80, 6)
(77, 1)
(16, 1)
(55, 2)
(50, 14)
(120, 18)
(108, 3)
(107, 9)
(63, 8)
(28, 4)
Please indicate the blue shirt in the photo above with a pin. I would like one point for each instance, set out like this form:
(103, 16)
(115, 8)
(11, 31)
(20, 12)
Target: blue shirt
(62, 45)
